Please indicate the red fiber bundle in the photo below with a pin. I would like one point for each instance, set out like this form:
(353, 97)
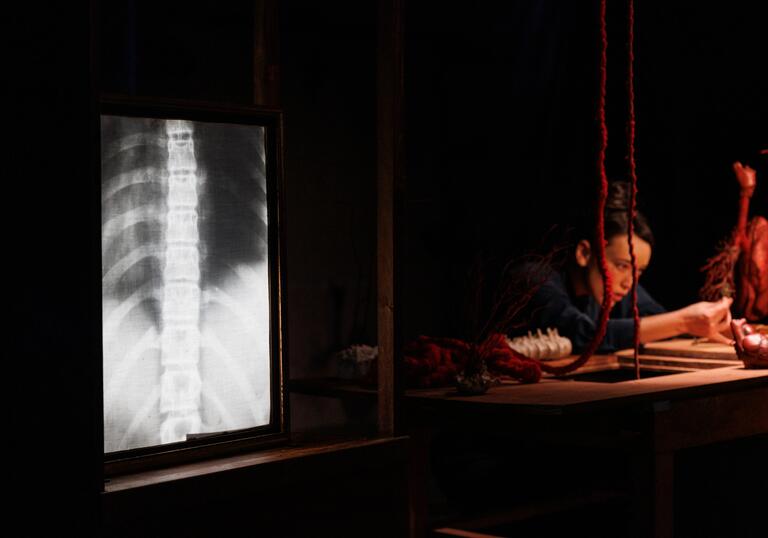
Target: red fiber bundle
(435, 362)
(503, 360)
(740, 267)
(752, 297)
(605, 307)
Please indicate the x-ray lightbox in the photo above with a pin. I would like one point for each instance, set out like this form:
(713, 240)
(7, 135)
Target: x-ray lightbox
(190, 274)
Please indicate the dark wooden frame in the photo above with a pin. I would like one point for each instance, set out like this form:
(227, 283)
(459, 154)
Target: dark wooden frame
(390, 195)
(276, 432)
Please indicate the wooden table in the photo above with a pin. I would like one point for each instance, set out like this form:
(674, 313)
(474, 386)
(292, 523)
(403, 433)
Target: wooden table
(666, 414)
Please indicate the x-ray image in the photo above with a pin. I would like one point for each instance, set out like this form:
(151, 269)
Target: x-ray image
(185, 280)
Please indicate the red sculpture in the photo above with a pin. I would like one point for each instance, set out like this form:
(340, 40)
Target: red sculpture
(751, 346)
(740, 267)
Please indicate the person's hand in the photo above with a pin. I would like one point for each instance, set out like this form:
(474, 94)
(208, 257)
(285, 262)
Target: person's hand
(746, 177)
(708, 319)
(751, 347)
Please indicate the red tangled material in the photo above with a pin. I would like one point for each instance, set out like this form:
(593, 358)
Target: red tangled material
(740, 267)
(751, 345)
(435, 362)
(752, 299)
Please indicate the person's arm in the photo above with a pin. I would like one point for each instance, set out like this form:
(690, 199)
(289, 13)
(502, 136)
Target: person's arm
(704, 319)
(553, 307)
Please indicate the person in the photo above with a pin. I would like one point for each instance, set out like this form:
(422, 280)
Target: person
(570, 299)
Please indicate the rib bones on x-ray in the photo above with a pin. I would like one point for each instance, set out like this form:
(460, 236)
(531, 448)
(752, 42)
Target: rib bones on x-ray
(186, 344)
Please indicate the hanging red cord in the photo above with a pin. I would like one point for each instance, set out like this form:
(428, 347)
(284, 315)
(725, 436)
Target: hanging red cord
(605, 307)
(632, 210)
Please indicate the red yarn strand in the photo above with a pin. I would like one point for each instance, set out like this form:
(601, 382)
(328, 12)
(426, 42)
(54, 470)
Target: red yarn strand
(605, 308)
(632, 210)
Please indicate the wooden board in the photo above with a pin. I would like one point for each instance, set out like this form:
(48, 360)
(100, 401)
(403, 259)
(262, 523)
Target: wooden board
(673, 363)
(658, 360)
(686, 347)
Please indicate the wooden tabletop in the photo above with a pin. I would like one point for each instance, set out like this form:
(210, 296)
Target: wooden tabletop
(697, 369)
(558, 396)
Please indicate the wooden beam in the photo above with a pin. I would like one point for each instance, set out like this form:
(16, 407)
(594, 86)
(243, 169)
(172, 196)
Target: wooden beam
(390, 187)
(447, 531)
(266, 71)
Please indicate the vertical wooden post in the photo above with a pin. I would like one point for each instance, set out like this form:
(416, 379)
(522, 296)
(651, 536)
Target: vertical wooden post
(663, 494)
(266, 73)
(389, 136)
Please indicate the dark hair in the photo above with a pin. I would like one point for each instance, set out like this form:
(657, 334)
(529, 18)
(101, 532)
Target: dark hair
(616, 221)
(616, 215)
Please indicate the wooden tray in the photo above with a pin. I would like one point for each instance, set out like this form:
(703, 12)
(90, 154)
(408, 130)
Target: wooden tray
(686, 347)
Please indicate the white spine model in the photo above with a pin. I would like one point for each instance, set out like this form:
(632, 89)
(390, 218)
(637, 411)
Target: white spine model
(180, 383)
(542, 346)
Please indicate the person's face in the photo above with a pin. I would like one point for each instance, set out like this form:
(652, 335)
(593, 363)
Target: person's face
(619, 265)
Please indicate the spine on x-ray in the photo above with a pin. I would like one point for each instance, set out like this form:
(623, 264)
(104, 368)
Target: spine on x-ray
(180, 383)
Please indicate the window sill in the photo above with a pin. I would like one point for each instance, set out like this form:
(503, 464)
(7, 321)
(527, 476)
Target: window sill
(361, 450)
(338, 486)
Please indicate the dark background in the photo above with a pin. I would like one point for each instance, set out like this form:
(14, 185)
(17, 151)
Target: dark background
(501, 145)
(502, 134)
